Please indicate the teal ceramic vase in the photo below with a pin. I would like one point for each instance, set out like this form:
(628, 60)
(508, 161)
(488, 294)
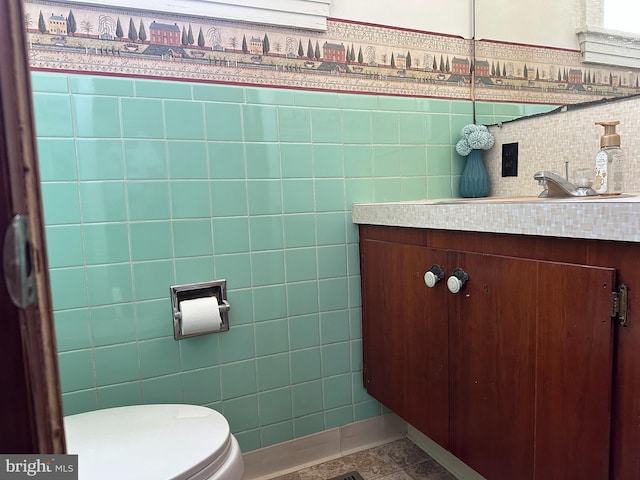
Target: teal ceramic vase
(474, 181)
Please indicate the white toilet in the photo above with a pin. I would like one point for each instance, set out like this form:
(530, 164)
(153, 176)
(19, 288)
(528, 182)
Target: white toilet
(154, 442)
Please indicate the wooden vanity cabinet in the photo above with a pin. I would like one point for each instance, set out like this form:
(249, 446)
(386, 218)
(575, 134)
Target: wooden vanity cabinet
(512, 374)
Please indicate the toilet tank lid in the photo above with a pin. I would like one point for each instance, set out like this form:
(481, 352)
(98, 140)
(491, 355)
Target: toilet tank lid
(154, 442)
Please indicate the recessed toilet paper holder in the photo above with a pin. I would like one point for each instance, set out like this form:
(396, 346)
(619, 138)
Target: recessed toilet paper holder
(191, 291)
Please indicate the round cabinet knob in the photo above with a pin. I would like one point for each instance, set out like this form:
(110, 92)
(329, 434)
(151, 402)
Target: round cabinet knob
(433, 276)
(457, 280)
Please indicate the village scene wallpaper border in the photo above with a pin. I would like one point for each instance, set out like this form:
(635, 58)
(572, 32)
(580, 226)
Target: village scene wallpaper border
(348, 57)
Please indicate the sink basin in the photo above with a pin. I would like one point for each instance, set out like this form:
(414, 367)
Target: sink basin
(529, 199)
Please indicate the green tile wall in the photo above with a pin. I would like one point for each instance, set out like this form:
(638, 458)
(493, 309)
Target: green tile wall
(150, 183)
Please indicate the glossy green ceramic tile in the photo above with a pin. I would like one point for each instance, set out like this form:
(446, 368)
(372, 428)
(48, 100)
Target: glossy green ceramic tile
(61, 203)
(108, 284)
(100, 159)
(64, 246)
(461, 107)
(266, 232)
(230, 235)
(385, 127)
(68, 288)
(367, 409)
(116, 364)
(96, 116)
(103, 201)
(199, 352)
(162, 89)
(192, 237)
(355, 323)
(237, 344)
(150, 240)
(358, 161)
(73, 329)
(305, 366)
(275, 406)
(148, 200)
(386, 161)
(264, 197)
(307, 398)
(113, 324)
(330, 228)
(267, 268)
(354, 292)
(238, 379)
(241, 413)
(228, 197)
(243, 309)
(300, 264)
(184, 120)
(190, 199)
(334, 326)
(412, 128)
(249, 439)
(167, 389)
(458, 122)
(153, 318)
(434, 105)
(269, 303)
(359, 392)
(304, 331)
(294, 124)
(119, 395)
(353, 259)
(49, 82)
(336, 391)
(142, 118)
(302, 298)
(76, 370)
(338, 417)
(358, 102)
(269, 96)
(308, 425)
(194, 269)
(438, 160)
(94, 85)
(236, 268)
(57, 159)
(413, 160)
(224, 121)
(296, 160)
(485, 119)
(106, 243)
(326, 125)
(316, 99)
(273, 371)
(79, 402)
(52, 115)
(145, 159)
(152, 279)
(439, 187)
(219, 93)
(414, 188)
(263, 160)
(356, 127)
(226, 160)
(299, 230)
(272, 337)
(201, 386)
(329, 194)
(335, 359)
(260, 123)
(328, 161)
(187, 160)
(297, 195)
(387, 189)
(509, 109)
(333, 294)
(356, 355)
(159, 356)
(438, 129)
(332, 261)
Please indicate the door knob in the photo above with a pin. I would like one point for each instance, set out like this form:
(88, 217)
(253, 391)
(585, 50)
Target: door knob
(457, 280)
(433, 275)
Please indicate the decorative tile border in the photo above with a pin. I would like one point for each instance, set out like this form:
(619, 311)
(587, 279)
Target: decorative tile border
(348, 57)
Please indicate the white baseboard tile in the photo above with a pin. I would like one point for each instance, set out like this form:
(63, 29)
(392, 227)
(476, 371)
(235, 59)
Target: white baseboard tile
(320, 447)
(453, 464)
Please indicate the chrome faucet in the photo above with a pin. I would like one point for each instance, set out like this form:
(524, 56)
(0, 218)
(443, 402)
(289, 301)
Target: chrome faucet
(556, 186)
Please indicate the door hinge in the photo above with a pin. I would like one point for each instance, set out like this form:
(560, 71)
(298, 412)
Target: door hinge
(619, 305)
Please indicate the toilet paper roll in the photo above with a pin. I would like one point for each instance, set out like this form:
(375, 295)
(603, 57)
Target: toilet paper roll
(200, 315)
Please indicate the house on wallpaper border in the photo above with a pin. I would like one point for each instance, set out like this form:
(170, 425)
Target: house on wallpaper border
(332, 52)
(460, 66)
(482, 68)
(57, 25)
(164, 34)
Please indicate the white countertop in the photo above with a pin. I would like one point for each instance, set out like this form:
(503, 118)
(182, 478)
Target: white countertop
(602, 218)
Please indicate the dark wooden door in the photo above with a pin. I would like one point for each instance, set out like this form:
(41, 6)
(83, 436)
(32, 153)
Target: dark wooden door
(530, 362)
(405, 335)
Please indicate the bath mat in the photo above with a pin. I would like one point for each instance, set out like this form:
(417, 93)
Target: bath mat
(348, 476)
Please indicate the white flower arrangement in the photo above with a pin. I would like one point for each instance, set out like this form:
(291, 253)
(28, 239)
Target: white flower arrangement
(474, 137)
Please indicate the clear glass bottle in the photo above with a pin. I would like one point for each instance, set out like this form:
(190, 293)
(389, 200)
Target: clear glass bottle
(609, 179)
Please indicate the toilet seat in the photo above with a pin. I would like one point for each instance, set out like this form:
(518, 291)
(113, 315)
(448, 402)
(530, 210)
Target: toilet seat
(150, 442)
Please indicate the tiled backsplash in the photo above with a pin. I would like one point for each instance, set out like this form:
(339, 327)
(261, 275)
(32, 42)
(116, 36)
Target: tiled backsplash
(150, 183)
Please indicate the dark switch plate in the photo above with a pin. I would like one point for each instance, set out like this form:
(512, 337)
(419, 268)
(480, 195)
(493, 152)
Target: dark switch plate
(510, 159)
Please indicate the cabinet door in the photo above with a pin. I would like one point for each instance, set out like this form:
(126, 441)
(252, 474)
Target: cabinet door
(530, 361)
(405, 335)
